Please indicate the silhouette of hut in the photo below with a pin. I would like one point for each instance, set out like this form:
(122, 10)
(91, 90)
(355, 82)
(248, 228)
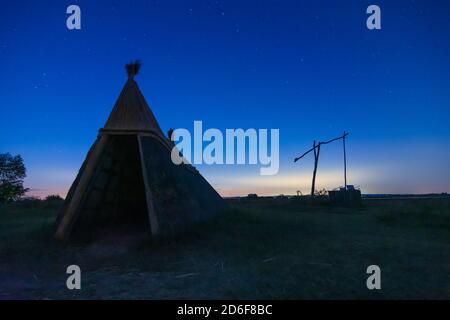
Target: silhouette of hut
(128, 180)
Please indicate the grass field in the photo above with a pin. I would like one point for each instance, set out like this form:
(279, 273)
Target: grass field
(262, 249)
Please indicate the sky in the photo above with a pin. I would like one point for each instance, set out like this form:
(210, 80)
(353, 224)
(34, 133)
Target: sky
(311, 69)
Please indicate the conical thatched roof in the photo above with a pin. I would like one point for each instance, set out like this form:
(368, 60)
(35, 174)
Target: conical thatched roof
(131, 112)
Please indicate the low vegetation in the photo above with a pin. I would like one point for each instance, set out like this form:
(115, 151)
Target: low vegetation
(259, 248)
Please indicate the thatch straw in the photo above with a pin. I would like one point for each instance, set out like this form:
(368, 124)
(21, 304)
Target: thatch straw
(133, 68)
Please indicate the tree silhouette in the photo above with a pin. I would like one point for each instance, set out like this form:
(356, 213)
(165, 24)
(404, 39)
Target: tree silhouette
(12, 173)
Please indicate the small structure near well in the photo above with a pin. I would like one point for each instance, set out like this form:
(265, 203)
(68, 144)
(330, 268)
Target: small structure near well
(348, 196)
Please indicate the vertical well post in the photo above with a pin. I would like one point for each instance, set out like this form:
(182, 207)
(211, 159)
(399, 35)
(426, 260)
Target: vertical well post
(345, 162)
(316, 160)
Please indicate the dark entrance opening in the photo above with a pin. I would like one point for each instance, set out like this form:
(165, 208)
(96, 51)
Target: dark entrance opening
(115, 203)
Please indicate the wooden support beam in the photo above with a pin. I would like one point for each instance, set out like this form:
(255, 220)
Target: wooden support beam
(154, 225)
(70, 213)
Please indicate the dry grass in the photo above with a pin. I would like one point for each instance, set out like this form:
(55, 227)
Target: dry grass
(258, 249)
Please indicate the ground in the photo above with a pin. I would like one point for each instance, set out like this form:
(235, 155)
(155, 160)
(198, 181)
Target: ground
(258, 249)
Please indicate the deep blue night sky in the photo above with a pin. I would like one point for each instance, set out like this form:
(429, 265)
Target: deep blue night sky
(310, 68)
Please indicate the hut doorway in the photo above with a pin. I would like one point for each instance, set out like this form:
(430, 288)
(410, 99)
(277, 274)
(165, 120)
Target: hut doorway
(115, 202)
